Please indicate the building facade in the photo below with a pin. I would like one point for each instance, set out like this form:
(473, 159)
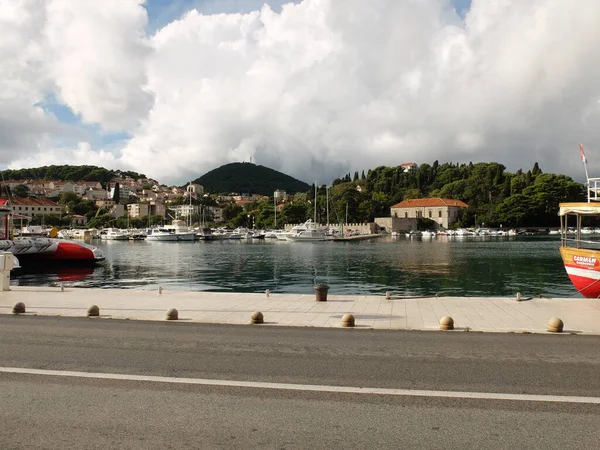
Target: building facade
(443, 211)
(32, 206)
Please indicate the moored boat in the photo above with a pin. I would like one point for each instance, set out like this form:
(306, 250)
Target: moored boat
(581, 257)
(33, 250)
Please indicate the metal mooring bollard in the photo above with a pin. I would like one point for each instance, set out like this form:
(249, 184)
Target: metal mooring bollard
(19, 308)
(93, 311)
(172, 314)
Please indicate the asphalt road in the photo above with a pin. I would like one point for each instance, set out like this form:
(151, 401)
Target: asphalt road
(56, 411)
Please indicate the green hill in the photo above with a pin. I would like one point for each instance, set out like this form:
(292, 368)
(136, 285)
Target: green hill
(249, 178)
(67, 173)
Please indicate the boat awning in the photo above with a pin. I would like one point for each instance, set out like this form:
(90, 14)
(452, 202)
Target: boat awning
(582, 209)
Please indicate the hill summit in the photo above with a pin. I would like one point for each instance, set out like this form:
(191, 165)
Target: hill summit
(249, 178)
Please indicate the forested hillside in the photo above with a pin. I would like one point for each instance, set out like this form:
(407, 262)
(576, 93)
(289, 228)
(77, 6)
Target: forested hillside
(67, 173)
(494, 196)
(249, 178)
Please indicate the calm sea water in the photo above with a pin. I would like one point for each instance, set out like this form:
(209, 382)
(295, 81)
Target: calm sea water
(494, 266)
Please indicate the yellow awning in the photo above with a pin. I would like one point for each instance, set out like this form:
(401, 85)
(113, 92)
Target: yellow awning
(580, 208)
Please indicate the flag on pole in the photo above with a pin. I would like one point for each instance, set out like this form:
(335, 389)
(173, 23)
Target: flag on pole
(583, 158)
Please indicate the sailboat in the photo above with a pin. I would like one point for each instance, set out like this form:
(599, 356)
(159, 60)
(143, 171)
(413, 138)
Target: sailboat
(312, 231)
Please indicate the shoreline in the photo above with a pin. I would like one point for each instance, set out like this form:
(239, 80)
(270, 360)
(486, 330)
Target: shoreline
(474, 314)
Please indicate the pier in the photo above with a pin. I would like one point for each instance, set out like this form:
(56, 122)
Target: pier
(500, 314)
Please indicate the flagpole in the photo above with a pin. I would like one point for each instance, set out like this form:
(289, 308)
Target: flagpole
(587, 177)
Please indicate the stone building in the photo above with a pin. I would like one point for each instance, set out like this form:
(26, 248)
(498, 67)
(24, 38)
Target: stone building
(444, 211)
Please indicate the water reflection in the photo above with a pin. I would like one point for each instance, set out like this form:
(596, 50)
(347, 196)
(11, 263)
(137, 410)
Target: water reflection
(475, 267)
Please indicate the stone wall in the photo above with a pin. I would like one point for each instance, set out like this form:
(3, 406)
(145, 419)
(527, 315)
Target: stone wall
(396, 223)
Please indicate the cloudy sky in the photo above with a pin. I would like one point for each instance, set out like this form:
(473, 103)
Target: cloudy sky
(314, 88)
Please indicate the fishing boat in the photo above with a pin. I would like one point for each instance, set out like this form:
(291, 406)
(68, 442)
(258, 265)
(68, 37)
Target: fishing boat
(31, 250)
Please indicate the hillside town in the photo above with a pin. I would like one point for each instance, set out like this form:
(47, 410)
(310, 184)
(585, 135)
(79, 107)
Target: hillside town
(122, 197)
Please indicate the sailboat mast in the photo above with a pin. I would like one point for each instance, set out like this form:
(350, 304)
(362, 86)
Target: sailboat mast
(327, 197)
(315, 213)
(190, 207)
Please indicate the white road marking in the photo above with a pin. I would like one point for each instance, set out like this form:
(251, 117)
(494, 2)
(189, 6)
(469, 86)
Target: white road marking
(308, 387)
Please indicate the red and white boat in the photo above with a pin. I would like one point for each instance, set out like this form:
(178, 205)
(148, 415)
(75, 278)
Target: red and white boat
(581, 257)
(31, 250)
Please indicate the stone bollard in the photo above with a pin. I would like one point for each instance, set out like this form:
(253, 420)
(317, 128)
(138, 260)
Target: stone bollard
(348, 320)
(93, 311)
(257, 317)
(518, 296)
(321, 292)
(19, 308)
(160, 290)
(268, 292)
(6, 265)
(172, 314)
(446, 323)
(388, 296)
(555, 325)
(62, 287)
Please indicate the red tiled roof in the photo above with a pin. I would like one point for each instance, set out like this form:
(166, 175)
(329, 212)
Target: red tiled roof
(408, 164)
(30, 201)
(430, 202)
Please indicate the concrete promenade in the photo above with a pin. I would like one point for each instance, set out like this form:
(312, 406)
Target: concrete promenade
(371, 312)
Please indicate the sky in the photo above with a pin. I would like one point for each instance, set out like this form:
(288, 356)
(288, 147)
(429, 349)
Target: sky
(313, 88)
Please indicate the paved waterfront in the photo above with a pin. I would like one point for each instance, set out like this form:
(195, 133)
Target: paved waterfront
(371, 312)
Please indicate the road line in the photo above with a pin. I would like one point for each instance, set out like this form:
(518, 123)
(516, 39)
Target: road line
(308, 387)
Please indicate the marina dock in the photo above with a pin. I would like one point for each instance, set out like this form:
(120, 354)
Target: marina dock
(358, 237)
(475, 314)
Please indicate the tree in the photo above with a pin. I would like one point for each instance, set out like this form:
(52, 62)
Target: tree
(21, 190)
(293, 213)
(67, 197)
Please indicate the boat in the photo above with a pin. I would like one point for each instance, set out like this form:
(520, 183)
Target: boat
(32, 250)
(581, 257)
(176, 232)
(308, 231)
(114, 234)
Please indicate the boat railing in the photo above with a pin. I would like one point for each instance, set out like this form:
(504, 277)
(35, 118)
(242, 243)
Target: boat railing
(593, 189)
(578, 242)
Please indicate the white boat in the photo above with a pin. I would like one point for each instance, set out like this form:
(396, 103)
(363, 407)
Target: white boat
(176, 232)
(114, 234)
(309, 231)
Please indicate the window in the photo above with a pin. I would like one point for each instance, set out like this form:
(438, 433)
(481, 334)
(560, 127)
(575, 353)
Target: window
(440, 213)
(430, 214)
(406, 215)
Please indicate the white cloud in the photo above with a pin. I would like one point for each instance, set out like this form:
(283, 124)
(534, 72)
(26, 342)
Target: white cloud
(322, 88)
(90, 55)
(98, 52)
(82, 154)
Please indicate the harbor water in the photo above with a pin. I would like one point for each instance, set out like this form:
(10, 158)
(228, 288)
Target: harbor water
(478, 266)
